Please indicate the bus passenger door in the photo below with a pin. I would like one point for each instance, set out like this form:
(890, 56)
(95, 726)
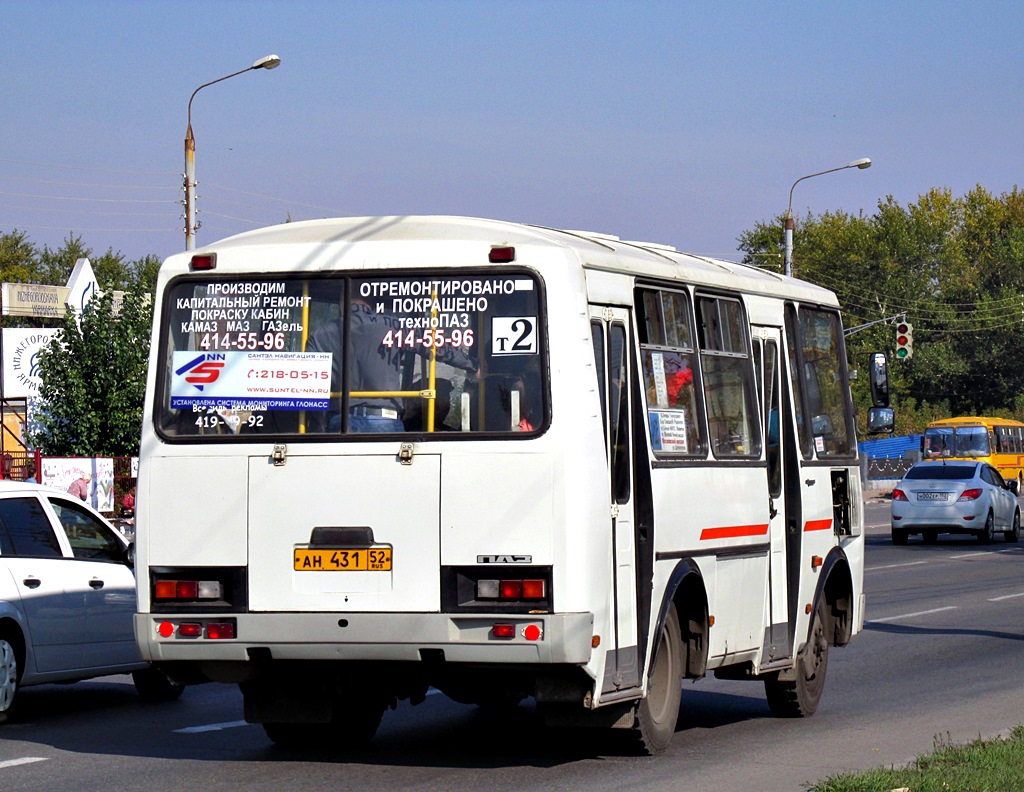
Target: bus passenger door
(767, 359)
(609, 328)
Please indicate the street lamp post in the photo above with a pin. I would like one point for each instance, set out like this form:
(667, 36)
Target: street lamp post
(268, 62)
(861, 163)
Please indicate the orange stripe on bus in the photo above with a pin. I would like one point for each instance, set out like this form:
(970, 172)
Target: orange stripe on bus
(818, 525)
(732, 531)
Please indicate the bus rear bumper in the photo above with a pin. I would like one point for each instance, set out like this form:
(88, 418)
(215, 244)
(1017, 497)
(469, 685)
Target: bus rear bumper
(564, 638)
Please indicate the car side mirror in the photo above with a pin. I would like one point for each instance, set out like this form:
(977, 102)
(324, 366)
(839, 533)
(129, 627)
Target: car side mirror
(881, 419)
(879, 379)
(129, 555)
(822, 425)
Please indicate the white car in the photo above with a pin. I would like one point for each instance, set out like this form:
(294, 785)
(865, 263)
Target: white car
(67, 596)
(955, 496)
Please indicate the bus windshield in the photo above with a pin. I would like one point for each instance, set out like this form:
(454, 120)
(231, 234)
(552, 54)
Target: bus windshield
(962, 441)
(342, 355)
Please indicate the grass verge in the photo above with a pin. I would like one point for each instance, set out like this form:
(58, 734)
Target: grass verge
(979, 766)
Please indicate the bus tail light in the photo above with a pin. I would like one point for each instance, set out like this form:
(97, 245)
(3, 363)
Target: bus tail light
(497, 588)
(511, 589)
(531, 632)
(216, 631)
(205, 589)
(187, 590)
(970, 494)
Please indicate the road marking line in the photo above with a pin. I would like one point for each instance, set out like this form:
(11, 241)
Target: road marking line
(211, 727)
(894, 566)
(911, 615)
(1006, 597)
(23, 760)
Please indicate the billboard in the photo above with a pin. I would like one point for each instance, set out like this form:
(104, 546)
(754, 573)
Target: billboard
(21, 348)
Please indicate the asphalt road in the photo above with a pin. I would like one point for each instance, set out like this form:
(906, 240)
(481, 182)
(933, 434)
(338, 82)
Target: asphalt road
(940, 656)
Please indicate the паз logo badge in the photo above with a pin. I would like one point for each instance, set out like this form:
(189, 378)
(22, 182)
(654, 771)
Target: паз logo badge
(203, 370)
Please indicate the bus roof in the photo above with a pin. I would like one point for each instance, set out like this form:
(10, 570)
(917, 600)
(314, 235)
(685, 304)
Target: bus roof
(973, 420)
(594, 250)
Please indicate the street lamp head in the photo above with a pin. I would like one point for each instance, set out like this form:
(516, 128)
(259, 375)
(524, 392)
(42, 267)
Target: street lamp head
(267, 62)
(862, 163)
(272, 62)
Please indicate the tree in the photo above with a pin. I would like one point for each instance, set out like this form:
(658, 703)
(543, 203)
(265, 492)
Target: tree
(953, 266)
(94, 378)
(17, 257)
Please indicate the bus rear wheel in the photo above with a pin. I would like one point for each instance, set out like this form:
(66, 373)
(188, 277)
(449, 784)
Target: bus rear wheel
(799, 697)
(658, 712)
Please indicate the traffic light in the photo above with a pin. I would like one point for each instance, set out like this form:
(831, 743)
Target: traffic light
(904, 341)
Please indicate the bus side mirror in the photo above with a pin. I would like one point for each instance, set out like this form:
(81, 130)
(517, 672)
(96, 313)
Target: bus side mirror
(881, 419)
(879, 377)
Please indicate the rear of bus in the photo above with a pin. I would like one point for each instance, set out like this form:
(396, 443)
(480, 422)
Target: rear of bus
(334, 529)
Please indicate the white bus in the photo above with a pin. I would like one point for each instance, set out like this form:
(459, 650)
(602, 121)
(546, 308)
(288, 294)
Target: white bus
(386, 454)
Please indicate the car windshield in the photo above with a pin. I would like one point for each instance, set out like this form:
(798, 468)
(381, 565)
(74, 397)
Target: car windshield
(941, 472)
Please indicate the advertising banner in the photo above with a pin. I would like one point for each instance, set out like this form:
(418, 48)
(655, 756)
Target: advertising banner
(21, 348)
(60, 472)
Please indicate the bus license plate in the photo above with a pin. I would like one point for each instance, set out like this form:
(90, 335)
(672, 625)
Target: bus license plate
(336, 559)
(937, 496)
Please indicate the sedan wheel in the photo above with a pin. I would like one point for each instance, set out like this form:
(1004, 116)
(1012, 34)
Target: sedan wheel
(1014, 533)
(8, 678)
(988, 532)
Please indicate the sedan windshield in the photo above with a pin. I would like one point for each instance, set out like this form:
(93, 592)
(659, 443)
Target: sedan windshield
(942, 472)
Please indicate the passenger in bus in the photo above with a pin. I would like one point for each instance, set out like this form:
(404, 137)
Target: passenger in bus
(415, 415)
(973, 443)
(374, 366)
(678, 380)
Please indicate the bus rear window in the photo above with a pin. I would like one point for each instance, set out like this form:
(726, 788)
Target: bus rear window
(423, 353)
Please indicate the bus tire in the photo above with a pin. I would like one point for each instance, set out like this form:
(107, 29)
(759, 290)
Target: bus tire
(799, 697)
(10, 677)
(658, 712)
(1013, 535)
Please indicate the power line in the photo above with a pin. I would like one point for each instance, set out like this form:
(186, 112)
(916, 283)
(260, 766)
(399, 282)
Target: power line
(87, 200)
(90, 170)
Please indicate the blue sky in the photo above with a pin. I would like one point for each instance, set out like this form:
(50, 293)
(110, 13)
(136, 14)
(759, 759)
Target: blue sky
(677, 122)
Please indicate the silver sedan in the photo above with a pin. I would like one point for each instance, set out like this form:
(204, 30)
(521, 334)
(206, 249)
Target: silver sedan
(954, 497)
